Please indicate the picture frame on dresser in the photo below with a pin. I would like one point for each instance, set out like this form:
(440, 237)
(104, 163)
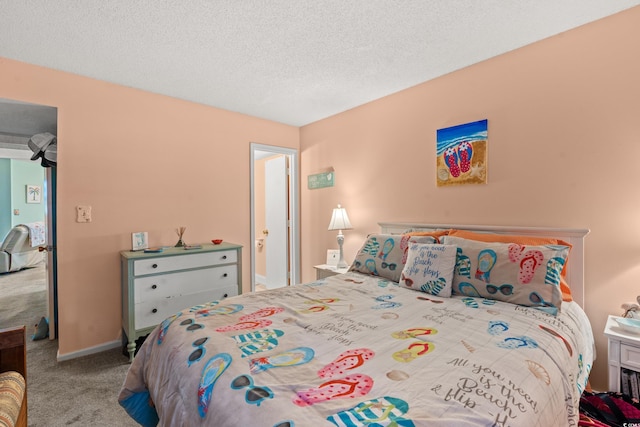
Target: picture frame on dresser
(155, 286)
(139, 241)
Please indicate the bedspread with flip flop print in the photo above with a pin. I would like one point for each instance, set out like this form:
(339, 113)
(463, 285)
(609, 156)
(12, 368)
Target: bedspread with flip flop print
(356, 350)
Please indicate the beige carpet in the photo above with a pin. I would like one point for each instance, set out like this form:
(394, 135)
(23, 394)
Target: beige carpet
(78, 392)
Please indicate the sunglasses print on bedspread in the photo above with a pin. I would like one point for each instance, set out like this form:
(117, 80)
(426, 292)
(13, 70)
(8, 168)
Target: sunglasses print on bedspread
(255, 394)
(190, 325)
(197, 354)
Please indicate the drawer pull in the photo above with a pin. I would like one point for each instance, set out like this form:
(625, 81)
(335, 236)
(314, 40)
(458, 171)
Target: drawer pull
(224, 257)
(154, 311)
(154, 266)
(225, 275)
(225, 295)
(154, 286)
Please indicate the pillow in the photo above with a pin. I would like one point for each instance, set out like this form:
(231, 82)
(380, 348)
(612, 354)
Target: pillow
(384, 255)
(519, 274)
(437, 234)
(429, 268)
(522, 240)
(507, 238)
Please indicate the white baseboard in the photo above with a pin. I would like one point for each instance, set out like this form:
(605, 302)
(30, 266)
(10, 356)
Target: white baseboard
(87, 351)
(261, 279)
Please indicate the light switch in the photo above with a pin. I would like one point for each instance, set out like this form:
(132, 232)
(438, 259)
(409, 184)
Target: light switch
(83, 213)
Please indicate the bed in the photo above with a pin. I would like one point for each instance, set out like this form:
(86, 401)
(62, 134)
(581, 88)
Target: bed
(471, 327)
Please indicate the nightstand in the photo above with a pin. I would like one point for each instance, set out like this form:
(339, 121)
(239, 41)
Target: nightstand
(624, 357)
(326, 270)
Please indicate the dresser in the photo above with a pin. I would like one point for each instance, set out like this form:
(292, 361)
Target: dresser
(624, 359)
(158, 285)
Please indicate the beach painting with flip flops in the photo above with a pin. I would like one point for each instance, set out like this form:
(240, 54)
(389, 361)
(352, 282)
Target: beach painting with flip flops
(461, 153)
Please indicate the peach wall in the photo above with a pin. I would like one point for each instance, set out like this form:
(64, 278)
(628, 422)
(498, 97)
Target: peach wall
(144, 162)
(564, 123)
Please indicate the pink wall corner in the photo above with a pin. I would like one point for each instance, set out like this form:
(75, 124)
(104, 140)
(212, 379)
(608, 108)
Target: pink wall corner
(564, 119)
(143, 162)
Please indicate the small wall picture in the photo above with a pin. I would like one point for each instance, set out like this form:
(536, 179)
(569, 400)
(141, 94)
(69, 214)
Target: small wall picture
(139, 241)
(461, 154)
(34, 194)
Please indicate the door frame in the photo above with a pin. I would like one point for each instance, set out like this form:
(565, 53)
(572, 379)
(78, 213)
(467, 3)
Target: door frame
(51, 177)
(51, 265)
(294, 210)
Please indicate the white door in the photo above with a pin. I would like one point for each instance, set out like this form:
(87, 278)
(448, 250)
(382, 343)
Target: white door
(276, 209)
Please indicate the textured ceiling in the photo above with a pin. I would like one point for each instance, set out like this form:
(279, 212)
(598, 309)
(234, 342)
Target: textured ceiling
(291, 61)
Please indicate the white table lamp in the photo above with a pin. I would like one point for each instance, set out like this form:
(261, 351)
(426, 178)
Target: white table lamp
(340, 221)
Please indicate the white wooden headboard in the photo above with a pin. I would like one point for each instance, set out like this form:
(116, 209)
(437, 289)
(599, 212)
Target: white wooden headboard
(574, 236)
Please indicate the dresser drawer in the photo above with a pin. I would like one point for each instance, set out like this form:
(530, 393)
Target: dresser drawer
(630, 356)
(181, 262)
(151, 288)
(151, 313)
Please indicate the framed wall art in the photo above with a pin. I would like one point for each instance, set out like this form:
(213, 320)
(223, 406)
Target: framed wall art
(34, 194)
(461, 154)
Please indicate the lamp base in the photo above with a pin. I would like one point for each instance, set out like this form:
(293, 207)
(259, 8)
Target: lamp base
(341, 263)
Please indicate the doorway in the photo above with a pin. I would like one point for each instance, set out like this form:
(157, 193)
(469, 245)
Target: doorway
(18, 122)
(275, 250)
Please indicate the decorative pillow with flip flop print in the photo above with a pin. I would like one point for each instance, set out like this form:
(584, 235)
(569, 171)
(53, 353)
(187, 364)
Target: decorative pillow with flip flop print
(509, 272)
(384, 255)
(522, 240)
(429, 268)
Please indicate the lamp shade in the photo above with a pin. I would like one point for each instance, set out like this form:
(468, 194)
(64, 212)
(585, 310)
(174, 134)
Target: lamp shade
(340, 219)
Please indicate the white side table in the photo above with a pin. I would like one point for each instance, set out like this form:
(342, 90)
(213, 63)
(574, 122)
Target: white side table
(326, 270)
(624, 352)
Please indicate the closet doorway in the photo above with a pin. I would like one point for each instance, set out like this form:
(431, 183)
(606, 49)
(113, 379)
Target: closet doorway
(18, 122)
(275, 250)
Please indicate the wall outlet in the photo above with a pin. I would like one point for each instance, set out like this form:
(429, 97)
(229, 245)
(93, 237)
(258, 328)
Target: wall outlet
(83, 213)
(333, 256)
